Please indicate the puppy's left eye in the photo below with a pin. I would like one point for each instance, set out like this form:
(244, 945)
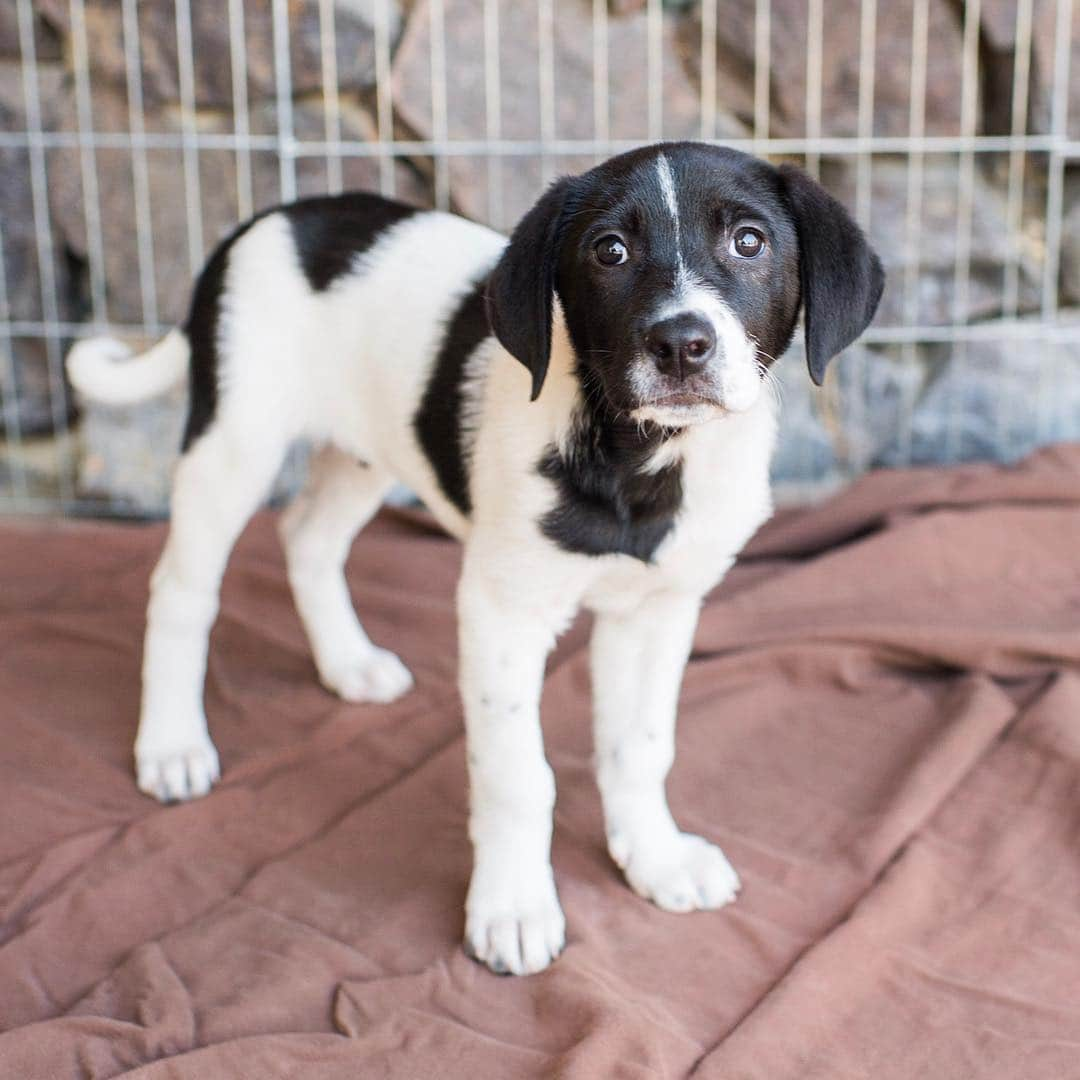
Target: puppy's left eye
(747, 244)
(610, 251)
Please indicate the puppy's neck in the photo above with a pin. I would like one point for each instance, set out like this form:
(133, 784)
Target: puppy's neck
(587, 424)
(618, 481)
(624, 436)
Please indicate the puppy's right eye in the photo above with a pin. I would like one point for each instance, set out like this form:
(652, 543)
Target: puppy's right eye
(610, 251)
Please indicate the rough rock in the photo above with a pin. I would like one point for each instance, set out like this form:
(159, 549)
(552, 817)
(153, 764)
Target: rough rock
(833, 432)
(9, 32)
(990, 242)
(127, 454)
(172, 268)
(519, 115)
(353, 27)
(999, 34)
(218, 201)
(36, 412)
(47, 44)
(20, 241)
(1070, 240)
(735, 34)
(806, 456)
(994, 400)
(877, 406)
(997, 401)
(407, 182)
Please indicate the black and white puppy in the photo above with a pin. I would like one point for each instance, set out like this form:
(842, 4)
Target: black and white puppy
(586, 406)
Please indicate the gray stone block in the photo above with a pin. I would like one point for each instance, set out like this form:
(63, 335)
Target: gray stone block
(995, 400)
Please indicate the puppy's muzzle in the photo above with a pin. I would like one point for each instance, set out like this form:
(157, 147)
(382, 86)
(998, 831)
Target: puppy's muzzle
(681, 346)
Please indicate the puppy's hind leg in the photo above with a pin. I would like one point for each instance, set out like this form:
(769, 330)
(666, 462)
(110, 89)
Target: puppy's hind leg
(317, 530)
(219, 482)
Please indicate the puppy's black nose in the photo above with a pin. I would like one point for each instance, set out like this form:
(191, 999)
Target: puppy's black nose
(681, 345)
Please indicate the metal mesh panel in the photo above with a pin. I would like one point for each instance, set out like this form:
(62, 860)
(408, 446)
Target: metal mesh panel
(965, 178)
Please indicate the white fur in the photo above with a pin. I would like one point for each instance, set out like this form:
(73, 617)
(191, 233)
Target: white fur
(99, 369)
(667, 188)
(736, 374)
(345, 368)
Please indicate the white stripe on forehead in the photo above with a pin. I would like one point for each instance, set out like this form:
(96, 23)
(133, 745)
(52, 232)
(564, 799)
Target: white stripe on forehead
(667, 187)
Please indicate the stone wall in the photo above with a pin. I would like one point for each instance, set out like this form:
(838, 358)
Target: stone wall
(883, 405)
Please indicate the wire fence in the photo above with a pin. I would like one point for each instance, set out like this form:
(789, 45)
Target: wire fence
(449, 112)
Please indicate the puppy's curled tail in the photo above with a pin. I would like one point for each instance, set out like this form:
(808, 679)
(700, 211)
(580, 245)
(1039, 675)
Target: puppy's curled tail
(107, 372)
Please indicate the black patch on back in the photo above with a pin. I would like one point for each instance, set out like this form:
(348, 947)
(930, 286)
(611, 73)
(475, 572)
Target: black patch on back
(608, 504)
(331, 231)
(438, 419)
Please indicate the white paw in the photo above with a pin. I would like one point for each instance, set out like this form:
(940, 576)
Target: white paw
(511, 925)
(681, 873)
(178, 773)
(374, 674)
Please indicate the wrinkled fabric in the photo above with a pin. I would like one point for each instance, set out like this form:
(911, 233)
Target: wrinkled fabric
(880, 724)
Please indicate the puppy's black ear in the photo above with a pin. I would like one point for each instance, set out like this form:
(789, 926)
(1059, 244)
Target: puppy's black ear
(842, 279)
(522, 285)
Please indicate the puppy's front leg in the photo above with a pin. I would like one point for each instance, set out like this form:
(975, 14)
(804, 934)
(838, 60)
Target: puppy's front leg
(513, 920)
(637, 666)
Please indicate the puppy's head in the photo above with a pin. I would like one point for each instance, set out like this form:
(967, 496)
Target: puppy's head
(681, 269)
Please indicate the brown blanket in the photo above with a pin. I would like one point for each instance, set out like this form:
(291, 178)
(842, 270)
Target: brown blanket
(880, 724)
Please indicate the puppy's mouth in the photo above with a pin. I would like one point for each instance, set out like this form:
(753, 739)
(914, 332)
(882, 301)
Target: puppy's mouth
(680, 408)
(681, 399)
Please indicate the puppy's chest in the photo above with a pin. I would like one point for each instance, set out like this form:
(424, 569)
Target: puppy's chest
(610, 504)
(673, 505)
(616, 491)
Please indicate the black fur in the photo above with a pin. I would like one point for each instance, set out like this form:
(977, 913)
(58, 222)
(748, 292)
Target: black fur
(608, 503)
(201, 329)
(842, 278)
(522, 286)
(438, 419)
(331, 231)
